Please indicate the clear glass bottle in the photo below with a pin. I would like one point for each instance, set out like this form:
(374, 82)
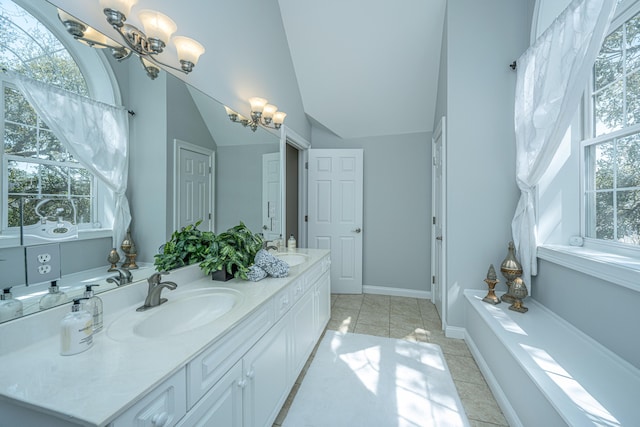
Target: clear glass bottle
(9, 308)
(93, 304)
(53, 298)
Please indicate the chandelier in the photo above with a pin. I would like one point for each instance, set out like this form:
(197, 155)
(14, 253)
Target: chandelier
(262, 114)
(147, 45)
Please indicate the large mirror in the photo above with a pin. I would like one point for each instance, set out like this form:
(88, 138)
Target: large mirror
(246, 182)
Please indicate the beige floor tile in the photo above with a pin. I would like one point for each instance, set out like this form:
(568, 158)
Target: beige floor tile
(341, 325)
(287, 404)
(464, 368)
(375, 330)
(406, 318)
(476, 423)
(428, 310)
(452, 346)
(408, 332)
(374, 319)
(375, 302)
(477, 404)
(348, 301)
(433, 325)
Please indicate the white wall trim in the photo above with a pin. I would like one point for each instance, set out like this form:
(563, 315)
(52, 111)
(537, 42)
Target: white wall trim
(616, 269)
(456, 332)
(499, 394)
(396, 292)
(288, 136)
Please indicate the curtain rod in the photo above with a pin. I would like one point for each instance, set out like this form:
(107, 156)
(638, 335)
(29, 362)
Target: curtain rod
(131, 112)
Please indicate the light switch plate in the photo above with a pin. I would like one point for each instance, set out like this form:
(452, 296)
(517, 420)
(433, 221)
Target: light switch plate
(43, 263)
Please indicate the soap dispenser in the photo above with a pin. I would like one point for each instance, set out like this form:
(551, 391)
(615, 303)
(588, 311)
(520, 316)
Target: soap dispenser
(291, 243)
(76, 330)
(54, 297)
(93, 304)
(9, 308)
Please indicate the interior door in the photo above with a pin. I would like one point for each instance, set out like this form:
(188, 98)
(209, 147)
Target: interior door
(271, 220)
(438, 291)
(335, 213)
(193, 195)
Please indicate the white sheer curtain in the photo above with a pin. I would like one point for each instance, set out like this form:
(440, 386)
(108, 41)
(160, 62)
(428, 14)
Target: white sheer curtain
(551, 77)
(96, 134)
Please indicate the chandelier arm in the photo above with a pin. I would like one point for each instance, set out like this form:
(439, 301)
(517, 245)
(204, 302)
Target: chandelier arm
(153, 59)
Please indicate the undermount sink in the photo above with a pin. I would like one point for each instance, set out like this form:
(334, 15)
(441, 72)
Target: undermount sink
(293, 259)
(184, 312)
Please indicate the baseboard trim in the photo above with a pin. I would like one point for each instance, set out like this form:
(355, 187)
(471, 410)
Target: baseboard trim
(396, 292)
(455, 332)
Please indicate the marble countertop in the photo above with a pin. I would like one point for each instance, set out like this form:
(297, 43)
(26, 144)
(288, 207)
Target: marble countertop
(94, 387)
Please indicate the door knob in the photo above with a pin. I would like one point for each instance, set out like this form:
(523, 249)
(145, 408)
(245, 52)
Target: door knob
(357, 230)
(439, 238)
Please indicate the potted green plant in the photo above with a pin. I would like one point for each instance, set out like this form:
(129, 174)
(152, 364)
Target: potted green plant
(187, 246)
(231, 253)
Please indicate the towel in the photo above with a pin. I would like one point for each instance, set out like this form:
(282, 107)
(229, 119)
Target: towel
(272, 265)
(256, 273)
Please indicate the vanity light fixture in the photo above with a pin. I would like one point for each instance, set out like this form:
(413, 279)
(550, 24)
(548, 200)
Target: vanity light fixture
(158, 29)
(262, 113)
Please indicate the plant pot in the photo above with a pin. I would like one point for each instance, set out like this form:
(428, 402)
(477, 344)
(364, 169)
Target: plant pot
(223, 275)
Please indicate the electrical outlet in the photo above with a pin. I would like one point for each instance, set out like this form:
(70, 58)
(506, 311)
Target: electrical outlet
(43, 263)
(44, 269)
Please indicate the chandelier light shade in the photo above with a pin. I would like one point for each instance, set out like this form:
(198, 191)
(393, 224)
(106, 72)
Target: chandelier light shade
(158, 27)
(147, 44)
(262, 114)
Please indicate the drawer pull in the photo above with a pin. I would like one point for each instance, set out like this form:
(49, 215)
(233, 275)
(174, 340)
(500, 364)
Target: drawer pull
(160, 419)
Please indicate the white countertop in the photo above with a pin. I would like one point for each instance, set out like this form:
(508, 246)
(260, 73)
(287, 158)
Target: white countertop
(95, 386)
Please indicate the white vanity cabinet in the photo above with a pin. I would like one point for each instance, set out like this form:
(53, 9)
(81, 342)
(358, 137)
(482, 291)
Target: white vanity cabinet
(244, 380)
(234, 373)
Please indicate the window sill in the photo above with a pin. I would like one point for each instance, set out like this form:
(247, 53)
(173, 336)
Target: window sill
(618, 269)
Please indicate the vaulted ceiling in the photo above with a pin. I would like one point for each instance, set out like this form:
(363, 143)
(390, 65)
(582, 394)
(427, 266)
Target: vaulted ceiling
(366, 68)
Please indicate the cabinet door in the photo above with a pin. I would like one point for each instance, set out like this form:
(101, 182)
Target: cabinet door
(323, 302)
(304, 330)
(222, 405)
(163, 407)
(265, 370)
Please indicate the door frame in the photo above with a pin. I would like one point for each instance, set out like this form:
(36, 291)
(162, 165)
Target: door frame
(440, 133)
(288, 136)
(177, 146)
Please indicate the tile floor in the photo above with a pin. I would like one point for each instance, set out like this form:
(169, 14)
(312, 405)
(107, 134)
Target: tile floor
(412, 319)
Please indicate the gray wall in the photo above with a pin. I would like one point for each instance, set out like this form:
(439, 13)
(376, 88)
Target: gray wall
(240, 199)
(605, 311)
(397, 207)
(482, 39)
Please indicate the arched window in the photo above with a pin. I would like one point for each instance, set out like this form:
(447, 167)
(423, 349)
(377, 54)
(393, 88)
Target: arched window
(35, 165)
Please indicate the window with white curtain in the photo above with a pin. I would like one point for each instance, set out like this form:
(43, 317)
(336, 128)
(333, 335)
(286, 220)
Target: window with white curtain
(35, 165)
(611, 155)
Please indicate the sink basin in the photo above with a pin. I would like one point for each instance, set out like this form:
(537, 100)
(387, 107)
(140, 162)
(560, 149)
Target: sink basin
(293, 259)
(182, 313)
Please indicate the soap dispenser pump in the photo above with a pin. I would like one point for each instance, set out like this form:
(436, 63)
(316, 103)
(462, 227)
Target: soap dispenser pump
(93, 304)
(76, 330)
(9, 308)
(291, 243)
(54, 297)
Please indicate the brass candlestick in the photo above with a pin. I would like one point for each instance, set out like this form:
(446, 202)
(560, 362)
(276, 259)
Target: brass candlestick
(131, 257)
(491, 281)
(510, 269)
(519, 292)
(126, 245)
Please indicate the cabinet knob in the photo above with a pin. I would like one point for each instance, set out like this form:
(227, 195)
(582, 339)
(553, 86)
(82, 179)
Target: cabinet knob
(251, 374)
(160, 419)
(242, 383)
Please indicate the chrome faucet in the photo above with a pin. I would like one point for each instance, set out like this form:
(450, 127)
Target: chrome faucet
(266, 246)
(155, 288)
(124, 276)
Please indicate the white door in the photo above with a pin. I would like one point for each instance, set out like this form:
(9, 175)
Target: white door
(271, 218)
(193, 187)
(438, 204)
(335, 214)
